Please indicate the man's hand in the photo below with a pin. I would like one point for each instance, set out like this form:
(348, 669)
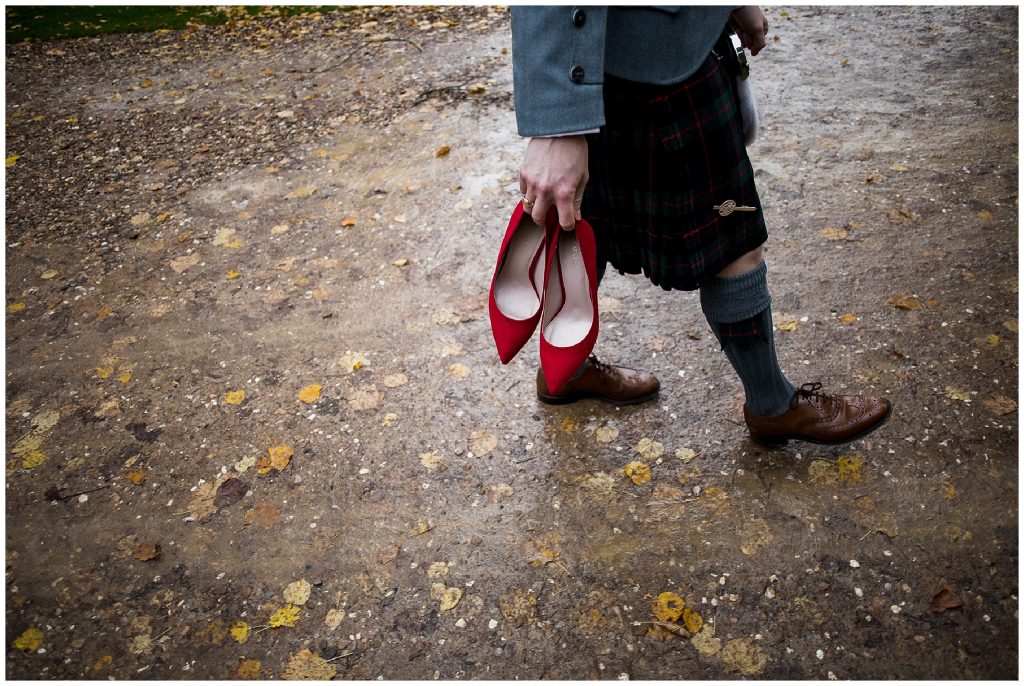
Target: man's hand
(554, 174)
(751, 26)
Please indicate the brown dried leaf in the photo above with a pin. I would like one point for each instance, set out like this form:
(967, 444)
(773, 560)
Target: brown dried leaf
(201, 506)
(302, 192)
(305, 665)
(482, 442)
(264, 516)
(230, 492)
(946, 599)
(146, 550)
(1001, 405)
(905, 302)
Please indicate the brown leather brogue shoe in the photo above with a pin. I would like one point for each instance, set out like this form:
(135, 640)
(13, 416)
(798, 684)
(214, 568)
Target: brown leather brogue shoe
(820, 418)
(619, 385)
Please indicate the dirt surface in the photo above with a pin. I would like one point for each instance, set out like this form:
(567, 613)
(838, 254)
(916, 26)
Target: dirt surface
(269, 206)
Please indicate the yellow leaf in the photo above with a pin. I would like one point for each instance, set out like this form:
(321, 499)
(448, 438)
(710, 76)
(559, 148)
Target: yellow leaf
(348, 221)
(692, 621)
(949, 492)
(286, 616)
(400, 263)
(482, 442)
(905, 302)
(848, 318)
(234, 397)
(431, 460)
(137, 476)
(849, 467)
(104, 372)
(649, 450)
(297, 592)
(310, 394)
(743, 655)
(334, 618)
(1010, 325)
(277, 458)
(125, 377)
(957, 394)
(787, 325)
(233, 274)
(29, 641)
(638, 472)
(48, 274)
(442, 151)
(279, 229)
(606, 434)
(306, 665)
(993, 339)
(162, 217)
(899, 167)
(569, 425)
(685, 454)
(12, 160)
(303, 192)
(104, 661)
(33, 459)
(249, 669)
(450, 598)
(985, 216)
(668, 607)
(458, 370)
(823, 471)
(834, 234)
(15, 307)
(27, 444)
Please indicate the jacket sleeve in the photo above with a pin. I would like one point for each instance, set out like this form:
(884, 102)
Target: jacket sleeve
(558, 68)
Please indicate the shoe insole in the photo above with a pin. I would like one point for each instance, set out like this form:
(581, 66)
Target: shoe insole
(514, 290)
(572, 322)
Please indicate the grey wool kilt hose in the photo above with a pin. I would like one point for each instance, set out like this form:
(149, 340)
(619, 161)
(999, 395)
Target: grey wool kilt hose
(666, 156)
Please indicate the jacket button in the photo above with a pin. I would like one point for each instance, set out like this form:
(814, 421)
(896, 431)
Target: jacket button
(579, 17)
(576, 75)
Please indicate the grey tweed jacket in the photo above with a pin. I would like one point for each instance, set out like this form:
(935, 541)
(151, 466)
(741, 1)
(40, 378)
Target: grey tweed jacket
(561, 54)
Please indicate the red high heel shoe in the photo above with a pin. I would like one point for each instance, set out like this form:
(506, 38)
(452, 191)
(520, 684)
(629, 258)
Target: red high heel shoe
(515, 296)
(569, 329)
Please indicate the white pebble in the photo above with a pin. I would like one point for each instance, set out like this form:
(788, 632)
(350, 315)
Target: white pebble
(83, 498)
(895, 609)
(493, 624)
(364, 470)
(623, 677)
(859, 592)
(820, 654)
(854, 564)
(461, 623)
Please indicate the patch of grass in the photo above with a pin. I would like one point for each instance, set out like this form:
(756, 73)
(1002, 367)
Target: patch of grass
(75, 21)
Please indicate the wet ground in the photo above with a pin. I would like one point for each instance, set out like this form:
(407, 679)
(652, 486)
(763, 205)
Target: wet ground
(256, 426)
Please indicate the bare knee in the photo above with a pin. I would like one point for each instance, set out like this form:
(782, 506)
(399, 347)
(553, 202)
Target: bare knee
(745, 263)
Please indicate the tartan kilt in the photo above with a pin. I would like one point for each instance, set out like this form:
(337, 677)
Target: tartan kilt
(665, 157)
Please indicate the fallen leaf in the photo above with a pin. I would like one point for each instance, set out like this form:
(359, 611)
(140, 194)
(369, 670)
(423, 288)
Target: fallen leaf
(745, 656)
(286, 616)
(348, 221)
(569, 425)
(11, 160)
(264, 516)
(277, 458)
(442, 151)
(431, 460)
(33, 459)
(125, 378)
(823, 472)
(147, 550)
(297, 592)
(351, 362)
(395, 380)
(437, 570)
(985, 216)
(905, 302)
(835, 234)
(310, 394)
(958, 394)
(944, 600)
(705, 642)
(15, 307)
(518, 607)
(48, 274)
(668, 607)
(279, 229)
(27, 444)
(400, 263)
(638, 472)
(450, 598)
(476, 89)
(482, 442)
(685, 454)
(755, 535)
(305, 665)
(29, 641)
(692, 620)
(334, 618)
(649, 450)
(233, 274)
(240, 631)
(1010, 325)
(365, 398)
(849, 467)
(606, 434)
(302, 192)
(949, 491)
(787, 325)
(899, 167)
(902, 215)
(137, 476)
(1001, 405)
(229, 492)
(249, 669)
(848, 319)
(181, 264)
(458, 370)
(234, 397)
(875, 177)
(201, 506)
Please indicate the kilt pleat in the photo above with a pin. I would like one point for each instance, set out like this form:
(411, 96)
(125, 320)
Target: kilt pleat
(665, 157)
